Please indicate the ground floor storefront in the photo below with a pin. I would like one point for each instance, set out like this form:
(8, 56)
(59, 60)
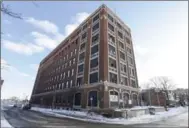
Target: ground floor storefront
(86, 97)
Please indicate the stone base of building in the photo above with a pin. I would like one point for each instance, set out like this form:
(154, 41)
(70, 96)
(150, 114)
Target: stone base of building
(101, 95)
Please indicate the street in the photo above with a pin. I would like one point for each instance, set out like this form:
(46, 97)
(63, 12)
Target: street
(22, 118)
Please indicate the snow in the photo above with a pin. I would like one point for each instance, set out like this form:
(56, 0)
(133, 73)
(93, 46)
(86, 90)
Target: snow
(84, 116)
(4, 122)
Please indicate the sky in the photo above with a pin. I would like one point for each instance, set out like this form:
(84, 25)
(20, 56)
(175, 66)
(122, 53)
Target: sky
(159, 32)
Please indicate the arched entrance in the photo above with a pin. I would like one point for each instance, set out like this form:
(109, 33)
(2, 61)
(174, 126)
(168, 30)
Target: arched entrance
(126, 98)
(92, 99)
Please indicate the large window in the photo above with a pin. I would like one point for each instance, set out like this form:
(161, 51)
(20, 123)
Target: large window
(94, 63)
(129, 50)
(114, 98)
(94, 49)
(121, 45)
(94, 77)
(133, 83)
(77, 99)
(80, 68)
(84, 35)
(130, 60)
(85, 26)
(111, 38)
(96, 18)
(79, 81)
(82, 56)
(95, 27)
(92, 99)
(111, 27)
(110, 18)
(122, 55)
(123, 67)
(120, 35)
(124, 80)
(112, 63)
(112, 50)
(113, 77)
(82, 47)
(119, 25)
(95, 38)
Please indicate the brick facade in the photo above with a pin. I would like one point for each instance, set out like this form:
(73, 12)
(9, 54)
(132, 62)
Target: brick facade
(94, 78)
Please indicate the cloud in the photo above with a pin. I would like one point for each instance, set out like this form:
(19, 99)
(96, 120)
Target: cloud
(44, 25)
(22, 48)
(78, 19)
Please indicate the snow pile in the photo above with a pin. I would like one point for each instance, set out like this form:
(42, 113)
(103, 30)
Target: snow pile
(84, 116)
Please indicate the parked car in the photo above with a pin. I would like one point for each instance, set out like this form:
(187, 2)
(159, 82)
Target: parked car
(26, 106)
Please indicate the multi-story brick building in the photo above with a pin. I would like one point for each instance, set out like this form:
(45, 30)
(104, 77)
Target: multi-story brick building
(93, 67)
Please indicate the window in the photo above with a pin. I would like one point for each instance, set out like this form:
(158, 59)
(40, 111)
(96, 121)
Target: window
(129, 50)
(77, 100)
(130, 71)
(110, 18)
(111, 38)
(122, 55)
(67, 84)
(94, 63)
(62, 85)
(94, 77)
(133, 84)
(112, 63)
(81, 56)
(133, 72)
(120, 34)
(64, 74)
(72, 72)
(119, 25)
(113, 78)
(68, 73)
(111, 27)
(80, 68)
(96, 18)
(70, 63)
(95, 27)
(79, 81)
(73, 60)
(65, 65)
(130, 60)
(128, 41)
(124, 80)
(82, 47)
(85, 26)
(123, 67)
(112, 50)
(94, 49)
(84, 35)
(75, 51)
(67, 56)
(95, 38)
(71, 83)
(71, 54)
(93, 99)
(121, 45)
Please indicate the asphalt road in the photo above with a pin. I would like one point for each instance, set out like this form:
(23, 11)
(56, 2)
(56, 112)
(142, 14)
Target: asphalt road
(24, 119)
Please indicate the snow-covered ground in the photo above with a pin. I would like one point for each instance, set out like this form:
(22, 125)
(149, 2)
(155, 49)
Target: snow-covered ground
(84, 116)
(4, 122)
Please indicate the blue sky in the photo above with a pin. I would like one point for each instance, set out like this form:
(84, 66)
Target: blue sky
(159, 31)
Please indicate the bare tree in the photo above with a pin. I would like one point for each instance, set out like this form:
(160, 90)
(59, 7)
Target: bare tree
(6, 10)
(164, 84)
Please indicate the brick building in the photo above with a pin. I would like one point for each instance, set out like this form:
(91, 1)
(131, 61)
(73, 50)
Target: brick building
(153, 97)
(93, 67)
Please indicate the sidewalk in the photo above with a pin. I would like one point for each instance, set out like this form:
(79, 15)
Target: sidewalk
(4, 122)
(84, 116)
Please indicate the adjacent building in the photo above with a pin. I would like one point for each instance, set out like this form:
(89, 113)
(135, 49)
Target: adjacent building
(93, 67)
